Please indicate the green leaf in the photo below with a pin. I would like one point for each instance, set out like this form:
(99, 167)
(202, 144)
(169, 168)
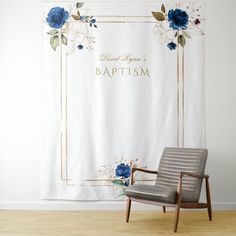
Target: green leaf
(122, 192)
(118, 182)
(53, 32)
(64, 39)
(78, 13)
(187, 34)
(163, 9)
(181, 40)
(54, 42)
(158, 16)
(76, 17)
(79, 4)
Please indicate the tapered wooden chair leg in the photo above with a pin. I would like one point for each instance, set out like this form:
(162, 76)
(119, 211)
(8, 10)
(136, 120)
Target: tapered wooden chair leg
(177, 210)
(128, 206)
(208, 195)
(164, 209)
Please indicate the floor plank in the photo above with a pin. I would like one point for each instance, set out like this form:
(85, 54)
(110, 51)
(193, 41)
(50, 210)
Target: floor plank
(112, 223)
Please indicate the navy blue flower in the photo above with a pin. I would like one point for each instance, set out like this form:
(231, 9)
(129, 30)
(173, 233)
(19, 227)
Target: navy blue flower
(80, 46)
(92, 23)
(178, 19)
(171, 45)
(123, 170)
(57, 17)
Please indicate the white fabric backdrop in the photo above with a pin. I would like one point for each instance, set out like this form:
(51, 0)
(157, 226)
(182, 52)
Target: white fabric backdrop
(116, 94)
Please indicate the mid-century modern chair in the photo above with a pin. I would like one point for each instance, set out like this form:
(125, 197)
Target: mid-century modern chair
(178, 182)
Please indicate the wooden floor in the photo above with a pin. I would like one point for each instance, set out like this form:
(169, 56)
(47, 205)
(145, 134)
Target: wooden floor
(112, 223)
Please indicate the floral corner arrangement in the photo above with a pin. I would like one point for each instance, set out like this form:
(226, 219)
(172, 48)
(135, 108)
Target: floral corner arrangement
(177, 24)
(118, 173)
(70, 27)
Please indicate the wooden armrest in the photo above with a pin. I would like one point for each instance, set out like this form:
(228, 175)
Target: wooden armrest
(191, 174)
(183, 173)
(142, 170)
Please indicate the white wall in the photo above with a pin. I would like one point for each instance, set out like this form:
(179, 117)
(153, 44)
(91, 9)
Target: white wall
(21, 106)
(221, 99)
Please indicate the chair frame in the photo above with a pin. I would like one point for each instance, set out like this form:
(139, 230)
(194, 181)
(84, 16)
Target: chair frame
(178, 204)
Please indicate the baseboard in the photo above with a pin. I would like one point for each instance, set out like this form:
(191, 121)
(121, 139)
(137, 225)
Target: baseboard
(73, 205)
(94, 205)
(224, 206)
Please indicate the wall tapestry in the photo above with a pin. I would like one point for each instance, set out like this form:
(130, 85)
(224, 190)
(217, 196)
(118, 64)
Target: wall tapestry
(122, 81)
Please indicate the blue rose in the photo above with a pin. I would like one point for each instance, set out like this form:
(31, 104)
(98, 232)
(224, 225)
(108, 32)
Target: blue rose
(123, 170)
(172, 45)
(57, 17)
(178, 19)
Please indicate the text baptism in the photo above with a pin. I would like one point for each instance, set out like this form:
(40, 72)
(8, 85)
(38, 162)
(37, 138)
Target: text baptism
(122, 72)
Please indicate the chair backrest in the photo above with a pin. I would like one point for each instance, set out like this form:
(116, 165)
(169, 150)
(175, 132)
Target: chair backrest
(174, 160)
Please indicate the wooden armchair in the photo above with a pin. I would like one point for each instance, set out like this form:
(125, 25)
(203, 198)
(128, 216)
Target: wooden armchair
(178, 182)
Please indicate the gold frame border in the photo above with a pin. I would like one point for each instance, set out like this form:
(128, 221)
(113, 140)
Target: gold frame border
(110, 19)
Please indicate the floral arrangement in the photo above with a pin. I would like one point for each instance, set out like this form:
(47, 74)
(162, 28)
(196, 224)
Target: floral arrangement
(70, 28)
(118, 173)
(177, 24)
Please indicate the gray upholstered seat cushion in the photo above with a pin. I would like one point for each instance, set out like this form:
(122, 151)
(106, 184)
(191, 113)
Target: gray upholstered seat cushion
(151, 192)
(157, 193)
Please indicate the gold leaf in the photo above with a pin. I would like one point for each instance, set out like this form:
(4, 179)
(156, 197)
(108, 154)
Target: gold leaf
(75, 17)
(158, 16)
(163, 9)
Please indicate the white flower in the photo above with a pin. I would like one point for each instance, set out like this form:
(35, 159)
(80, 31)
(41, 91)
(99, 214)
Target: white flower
(194, 30)
(170, 34)
(160, 33)
(70, 47)
(78, 32)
